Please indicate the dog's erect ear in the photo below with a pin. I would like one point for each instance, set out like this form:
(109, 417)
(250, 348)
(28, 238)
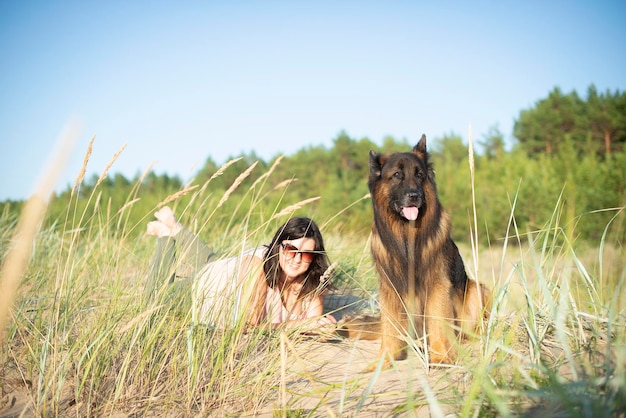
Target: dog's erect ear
(420, 148)
(420, 151)
(376, 164)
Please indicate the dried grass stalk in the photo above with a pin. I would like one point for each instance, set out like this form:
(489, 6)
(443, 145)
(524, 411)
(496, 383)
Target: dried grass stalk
(290, 209)
(108, 166)
(236, 184)
(17, 257)
(284, 183)
(328, 273)
(178, 194)
(146, 172)
(218, 173)
(81, 174)
(269, 172)
(224, 167)
(127, 204)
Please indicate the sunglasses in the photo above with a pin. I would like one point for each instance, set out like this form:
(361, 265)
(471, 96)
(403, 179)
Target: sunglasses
(291, 251)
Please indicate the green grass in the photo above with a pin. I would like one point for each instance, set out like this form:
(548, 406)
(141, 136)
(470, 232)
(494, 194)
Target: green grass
(80, 341)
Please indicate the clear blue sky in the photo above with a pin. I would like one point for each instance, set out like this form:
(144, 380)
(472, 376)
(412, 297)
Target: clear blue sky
(183, 81)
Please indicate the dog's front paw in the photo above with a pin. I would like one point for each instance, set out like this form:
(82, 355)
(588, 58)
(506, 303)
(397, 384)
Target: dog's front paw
(382, 364)
(437, 358)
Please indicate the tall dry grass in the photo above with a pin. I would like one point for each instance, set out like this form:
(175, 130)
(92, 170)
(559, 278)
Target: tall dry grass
(81, 341)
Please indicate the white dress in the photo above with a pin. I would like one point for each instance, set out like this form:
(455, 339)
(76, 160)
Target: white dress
(220, 294)
(278, 313)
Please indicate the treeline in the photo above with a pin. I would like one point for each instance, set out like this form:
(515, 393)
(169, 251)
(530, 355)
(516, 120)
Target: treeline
(596, 124)
(569, 164)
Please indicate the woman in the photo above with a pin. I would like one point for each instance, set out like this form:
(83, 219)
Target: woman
(278, 284)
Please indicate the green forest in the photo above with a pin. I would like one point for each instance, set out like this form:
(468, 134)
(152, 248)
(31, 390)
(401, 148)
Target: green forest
(568, 161)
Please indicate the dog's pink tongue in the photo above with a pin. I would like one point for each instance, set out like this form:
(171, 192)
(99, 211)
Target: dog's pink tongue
(410, 212)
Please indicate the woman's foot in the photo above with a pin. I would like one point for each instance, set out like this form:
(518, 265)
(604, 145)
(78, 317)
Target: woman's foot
(158, 229)
(166, 224)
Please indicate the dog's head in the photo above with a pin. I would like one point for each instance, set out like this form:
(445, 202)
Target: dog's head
(398, 180)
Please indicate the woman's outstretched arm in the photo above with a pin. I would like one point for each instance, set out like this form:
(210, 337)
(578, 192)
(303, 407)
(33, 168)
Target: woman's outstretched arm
(313, 318)
(253, 277)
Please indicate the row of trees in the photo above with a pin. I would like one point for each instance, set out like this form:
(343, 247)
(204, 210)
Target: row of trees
(585, 190)
(595, 124)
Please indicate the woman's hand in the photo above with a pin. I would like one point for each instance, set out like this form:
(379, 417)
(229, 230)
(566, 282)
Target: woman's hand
(324, 324)
(326, 321)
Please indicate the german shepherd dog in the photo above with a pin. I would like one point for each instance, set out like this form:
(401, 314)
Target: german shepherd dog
(421, 273)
